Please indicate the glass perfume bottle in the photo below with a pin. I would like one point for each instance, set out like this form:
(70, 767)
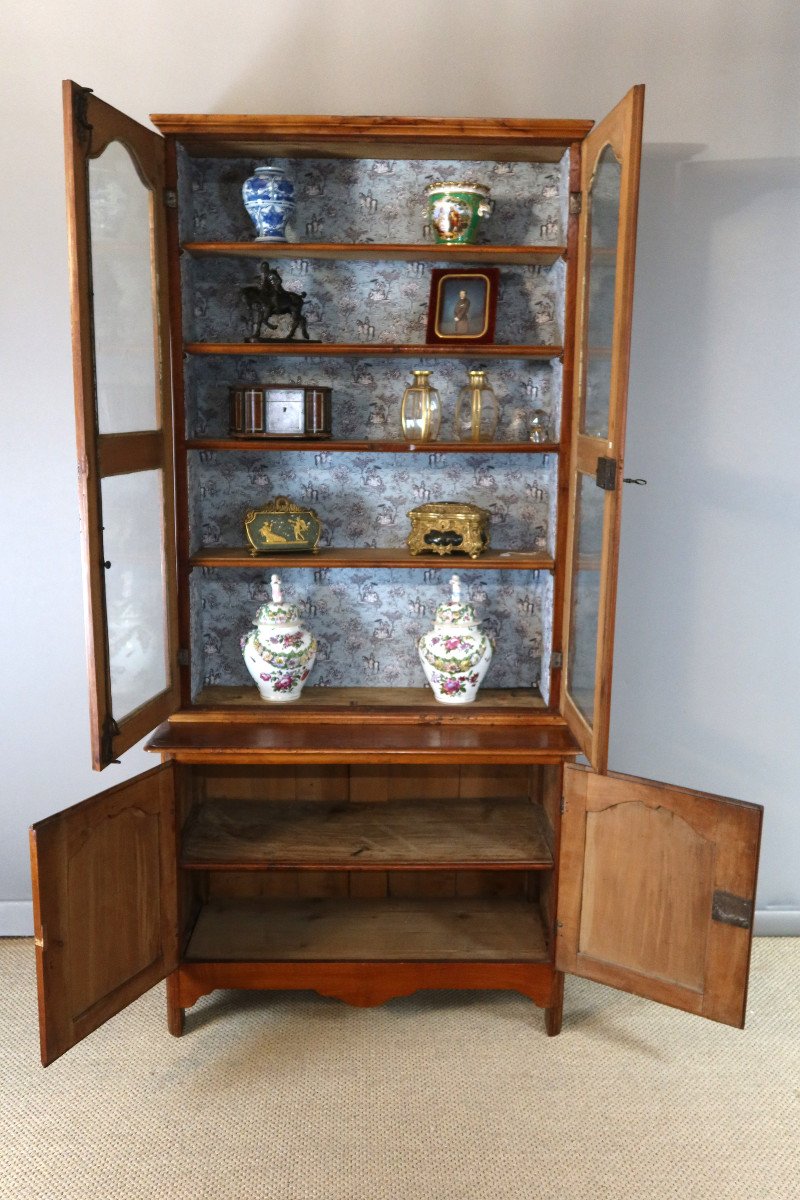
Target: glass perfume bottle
(476, 410)
(421, 411)
(539, 426)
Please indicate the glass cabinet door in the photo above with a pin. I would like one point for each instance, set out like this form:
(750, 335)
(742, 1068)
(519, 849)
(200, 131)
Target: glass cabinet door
(606, 249)
(115, 170)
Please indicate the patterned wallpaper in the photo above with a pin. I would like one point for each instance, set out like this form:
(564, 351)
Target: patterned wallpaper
(373, 200)
(367, 393)
(350, 301)
(362, 499)
(368, 621)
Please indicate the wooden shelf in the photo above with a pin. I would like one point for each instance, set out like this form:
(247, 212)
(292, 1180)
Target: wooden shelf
(385, 930)
(406, 835)
(369, 556)
(303, 349)
(281, 738)
(369, 446)
(390, 704)
(380, 252)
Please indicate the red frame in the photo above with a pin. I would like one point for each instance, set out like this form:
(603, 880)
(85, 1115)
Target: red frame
(438, 276)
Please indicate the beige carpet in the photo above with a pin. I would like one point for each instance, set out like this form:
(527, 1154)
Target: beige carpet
(438, 1096)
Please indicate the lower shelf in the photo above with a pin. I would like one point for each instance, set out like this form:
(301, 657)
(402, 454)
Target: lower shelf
(386, 930)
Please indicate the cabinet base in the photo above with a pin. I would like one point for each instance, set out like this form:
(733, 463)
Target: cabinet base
(366, 984)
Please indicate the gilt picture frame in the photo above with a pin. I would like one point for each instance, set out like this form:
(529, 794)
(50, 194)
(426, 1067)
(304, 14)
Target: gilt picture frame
(463, 305)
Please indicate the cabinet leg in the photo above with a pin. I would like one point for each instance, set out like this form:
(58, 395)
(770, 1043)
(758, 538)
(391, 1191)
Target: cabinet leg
(174, 1010)
(554, 1010)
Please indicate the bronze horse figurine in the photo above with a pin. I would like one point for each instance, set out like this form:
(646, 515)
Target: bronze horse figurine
(269, 298)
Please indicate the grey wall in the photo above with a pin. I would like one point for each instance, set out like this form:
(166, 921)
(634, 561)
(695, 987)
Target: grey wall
(708, 645)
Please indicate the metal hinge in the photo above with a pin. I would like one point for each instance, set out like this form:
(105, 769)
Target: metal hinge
(606, 475)
(575, 204)
(556, 660)
(732, 910)
(170, 198)
(110, 731)
(563, 806)
(84, 128)
(183, 658)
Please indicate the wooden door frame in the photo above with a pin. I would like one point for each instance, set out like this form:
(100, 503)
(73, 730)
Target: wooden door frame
(622, 131)
(90, 126)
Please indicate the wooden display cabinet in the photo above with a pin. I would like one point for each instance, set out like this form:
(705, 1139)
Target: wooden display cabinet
(363, 842)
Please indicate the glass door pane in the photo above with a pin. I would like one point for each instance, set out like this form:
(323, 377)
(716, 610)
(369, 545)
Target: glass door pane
(601, 233)
(124, 303)
(585, 611)
(136, 588)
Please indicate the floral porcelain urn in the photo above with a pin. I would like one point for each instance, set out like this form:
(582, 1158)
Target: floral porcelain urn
(279, 653)
(455, 654)
(268, 196)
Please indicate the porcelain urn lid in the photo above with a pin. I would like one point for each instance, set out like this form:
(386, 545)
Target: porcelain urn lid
(453, 611)
(277, 612)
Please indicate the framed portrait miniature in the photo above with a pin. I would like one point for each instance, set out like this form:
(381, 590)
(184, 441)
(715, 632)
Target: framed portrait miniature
(463, 305)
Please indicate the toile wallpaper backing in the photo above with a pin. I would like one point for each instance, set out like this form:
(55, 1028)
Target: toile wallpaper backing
(363, 499)
(374, 200)
(367, 393)
(368, 621)
(379, 302)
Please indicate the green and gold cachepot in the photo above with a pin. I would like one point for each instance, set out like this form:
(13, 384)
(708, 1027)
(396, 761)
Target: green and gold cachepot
(455, 211)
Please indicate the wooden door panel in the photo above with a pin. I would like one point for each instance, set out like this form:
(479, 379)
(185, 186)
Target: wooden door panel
(123, 412)
(610, 158)
(656, 891)
(105, 905)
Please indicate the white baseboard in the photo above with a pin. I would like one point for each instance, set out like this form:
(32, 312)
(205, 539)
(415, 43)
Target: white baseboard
(16, 920)
(777, 922)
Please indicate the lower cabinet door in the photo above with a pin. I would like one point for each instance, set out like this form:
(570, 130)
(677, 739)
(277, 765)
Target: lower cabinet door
(105, 905)
(657, 889)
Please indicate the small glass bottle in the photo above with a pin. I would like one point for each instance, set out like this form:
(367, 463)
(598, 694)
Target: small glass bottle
(421, 411)
(539, 426)
(476, 410)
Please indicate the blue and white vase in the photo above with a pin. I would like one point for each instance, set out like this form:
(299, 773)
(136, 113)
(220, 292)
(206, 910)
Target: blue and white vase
(269, 199)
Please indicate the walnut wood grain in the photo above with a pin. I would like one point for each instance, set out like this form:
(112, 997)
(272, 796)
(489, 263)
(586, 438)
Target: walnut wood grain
(622, 131)
(425, 834)
(357, 740)
(365, 984)
(265, 445)
(371, 556)
(491, 706)
(380, 252)
(363, 784)
(368, 930)
(90, 126)
(640, 864)
(493, 139)
(303, 349)
(105, 906)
